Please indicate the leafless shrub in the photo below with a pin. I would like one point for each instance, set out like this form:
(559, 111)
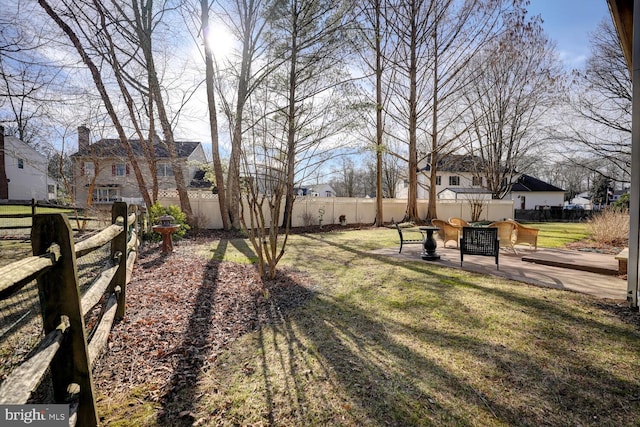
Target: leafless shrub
(308, 219)
(610, 226)
(197, 223)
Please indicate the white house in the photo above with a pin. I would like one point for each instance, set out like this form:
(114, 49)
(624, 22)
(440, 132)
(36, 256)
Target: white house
(530, 193)
(460, 193)
(318, 190)
(23, 171)
(583, 199)
(458, 179)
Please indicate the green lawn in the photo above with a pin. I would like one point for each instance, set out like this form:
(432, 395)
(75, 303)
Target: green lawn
(12, 210)
(393, 342)
(24, 210)
(558, 234)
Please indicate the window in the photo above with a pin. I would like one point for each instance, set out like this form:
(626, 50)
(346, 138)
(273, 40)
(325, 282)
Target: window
(88, 169)
(120, 169)
(20, 164)
(477, 180)
(105, 195)
(438, 180)
(454, 180)
(164, 169)
(51, 188)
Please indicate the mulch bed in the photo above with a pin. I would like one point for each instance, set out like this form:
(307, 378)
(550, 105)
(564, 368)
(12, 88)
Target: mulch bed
(182, 311)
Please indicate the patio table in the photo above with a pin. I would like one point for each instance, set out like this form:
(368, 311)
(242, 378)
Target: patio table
(429, 245)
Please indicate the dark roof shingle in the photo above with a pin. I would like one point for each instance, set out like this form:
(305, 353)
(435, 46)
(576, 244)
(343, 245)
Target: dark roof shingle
(529, 183)
(457, 163)
(114, 148)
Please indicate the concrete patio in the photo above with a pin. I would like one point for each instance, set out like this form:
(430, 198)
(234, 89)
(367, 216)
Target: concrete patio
(587, 272)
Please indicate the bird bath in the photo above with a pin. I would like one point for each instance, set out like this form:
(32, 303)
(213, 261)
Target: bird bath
(166, 229)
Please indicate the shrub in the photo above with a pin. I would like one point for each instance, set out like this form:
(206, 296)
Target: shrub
(308, 219)
(610, 226)
(157, 210)
(622, 202)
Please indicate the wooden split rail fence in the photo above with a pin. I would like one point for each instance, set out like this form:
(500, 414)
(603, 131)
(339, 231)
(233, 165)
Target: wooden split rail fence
(65, 348)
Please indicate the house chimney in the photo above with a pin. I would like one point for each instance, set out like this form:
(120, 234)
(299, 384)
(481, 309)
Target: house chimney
(4, 182)
(83, 138)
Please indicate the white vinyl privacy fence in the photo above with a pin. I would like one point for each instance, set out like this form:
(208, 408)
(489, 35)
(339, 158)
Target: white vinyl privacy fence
(310, 210)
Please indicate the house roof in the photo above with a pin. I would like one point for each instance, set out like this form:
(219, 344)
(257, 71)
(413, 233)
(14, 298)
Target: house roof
(467, 190)
(529, 183)
(622, 15)
(456, 163)
(114, 148)
(19, 145)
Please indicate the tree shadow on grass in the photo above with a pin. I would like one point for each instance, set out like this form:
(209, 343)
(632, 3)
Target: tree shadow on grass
(398, 374)
(542, 306)
(353, 349)
(584, 391)
(242, 246)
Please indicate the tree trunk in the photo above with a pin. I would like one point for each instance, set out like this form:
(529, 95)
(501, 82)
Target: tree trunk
(213, 118)
(379, 145)
(431, 207)
(143, 28)
(291, 131)
(4, 182)
(412, 198)
(97, 79)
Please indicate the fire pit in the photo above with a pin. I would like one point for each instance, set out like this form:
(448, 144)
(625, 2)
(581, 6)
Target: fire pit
(166, 229)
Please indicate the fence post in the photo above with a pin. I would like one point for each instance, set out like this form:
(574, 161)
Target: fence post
(119, 245)
(60, 296)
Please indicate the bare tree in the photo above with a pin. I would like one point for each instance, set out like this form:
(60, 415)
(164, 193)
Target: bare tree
(436, 41)
(120, 38)
(264, 187)
(413, 25)
(461, 31)
(100, 86)
(32, 86)
(518, 80)
(374, 40)
(213, 118)
(476, 205)
(23, 87)
(348, 175)
(145, 18)
(391, 174)
(310, 36)
(573, 175)
(598, 129)
(247, 21)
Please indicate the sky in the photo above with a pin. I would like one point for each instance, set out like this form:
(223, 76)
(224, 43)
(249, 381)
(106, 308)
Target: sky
(568, 23)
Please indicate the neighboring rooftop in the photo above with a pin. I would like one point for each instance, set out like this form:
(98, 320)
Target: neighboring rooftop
(467, 190)
(456, 163)
(529, 183)
(114, 148)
